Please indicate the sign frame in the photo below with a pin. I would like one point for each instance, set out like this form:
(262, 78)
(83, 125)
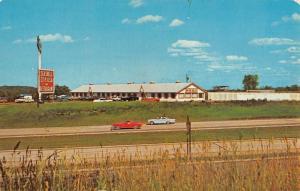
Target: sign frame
(47, 85)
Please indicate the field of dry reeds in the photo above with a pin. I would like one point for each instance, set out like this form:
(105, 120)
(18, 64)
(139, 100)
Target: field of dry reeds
(259, 168)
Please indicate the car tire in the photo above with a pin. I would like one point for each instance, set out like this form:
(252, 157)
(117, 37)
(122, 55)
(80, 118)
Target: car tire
(151, 123)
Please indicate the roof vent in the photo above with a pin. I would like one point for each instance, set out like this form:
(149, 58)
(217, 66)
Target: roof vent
(177, 81)
(152, 82)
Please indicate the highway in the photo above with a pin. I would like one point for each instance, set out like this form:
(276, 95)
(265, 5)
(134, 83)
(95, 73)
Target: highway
(205, 125)
(150, 151)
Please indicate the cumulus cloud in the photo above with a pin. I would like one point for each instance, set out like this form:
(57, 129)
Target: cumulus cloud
(176, 23)
(56, 37)
(295, 17)
(149, 18)
(136, 3)
(189, 44)
(293, 49)
(192, 49)
(48, 38)
(4, 28)
(236, 58)
(273, 41)
(126, 21)
(296, 61)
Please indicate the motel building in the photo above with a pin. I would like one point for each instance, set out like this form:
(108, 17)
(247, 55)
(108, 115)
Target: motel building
(164, 91)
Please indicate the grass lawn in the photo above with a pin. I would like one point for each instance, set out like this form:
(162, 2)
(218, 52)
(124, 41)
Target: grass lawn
(88, 113)
(151, 138)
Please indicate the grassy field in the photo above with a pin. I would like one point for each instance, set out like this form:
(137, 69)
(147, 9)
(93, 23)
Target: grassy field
(144, 138)
(159, 171)
(88, 113)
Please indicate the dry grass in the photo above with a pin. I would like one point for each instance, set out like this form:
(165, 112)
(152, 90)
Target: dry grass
(227, 169)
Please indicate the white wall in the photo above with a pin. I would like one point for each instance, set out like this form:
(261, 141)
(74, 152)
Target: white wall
(244, 96)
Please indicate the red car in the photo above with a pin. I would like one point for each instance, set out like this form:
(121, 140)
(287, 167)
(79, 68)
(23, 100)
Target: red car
(150, 99)
(127, 125)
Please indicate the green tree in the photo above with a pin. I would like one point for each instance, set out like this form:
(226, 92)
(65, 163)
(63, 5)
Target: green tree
(250, 81)
(62, 90)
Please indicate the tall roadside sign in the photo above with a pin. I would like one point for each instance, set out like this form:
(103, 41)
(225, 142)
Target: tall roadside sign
(45, 77)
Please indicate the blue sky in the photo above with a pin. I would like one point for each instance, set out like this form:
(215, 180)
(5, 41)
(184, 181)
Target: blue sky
(216, 42)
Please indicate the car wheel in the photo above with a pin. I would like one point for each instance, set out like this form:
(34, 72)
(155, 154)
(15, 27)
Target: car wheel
(151, 123)
(168, 122)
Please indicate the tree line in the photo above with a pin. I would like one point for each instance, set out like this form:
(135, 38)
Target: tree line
(13, 92)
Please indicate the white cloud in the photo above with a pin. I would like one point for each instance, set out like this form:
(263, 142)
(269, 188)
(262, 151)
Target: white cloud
(6, 27)
(18, 41)
(176, 23)
(293, 49)
(192, 49)
(136, 3)
(126, 21)
(48, 38)
(296, 61)
(189, 44)
(295, 17)
(236, 58)
(282, 61)
(87, 38)
(149, 18)
(273, 41)
(56, 37)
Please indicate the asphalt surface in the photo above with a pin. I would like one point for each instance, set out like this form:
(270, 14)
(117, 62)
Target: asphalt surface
(85, 130)
(150, 151)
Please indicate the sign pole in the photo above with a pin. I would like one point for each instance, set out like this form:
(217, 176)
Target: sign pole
(189, 138)
(39, 47)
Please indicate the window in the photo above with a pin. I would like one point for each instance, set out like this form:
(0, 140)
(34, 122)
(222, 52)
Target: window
(181, 96)
(173, 95)
(187, 95)
(201, 95)
(195, 95)
(84, 94)
(153, 95)
(159, 95)
(166, 95)
(103, 94)
(123, 94)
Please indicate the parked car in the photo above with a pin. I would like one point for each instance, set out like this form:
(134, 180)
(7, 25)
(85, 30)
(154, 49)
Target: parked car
(3, 100)
(161, 120)
(102, 100)
(24, 99)
(130, 98)
(62, 98)
(151, 99)
(127, 125)
(116, 99)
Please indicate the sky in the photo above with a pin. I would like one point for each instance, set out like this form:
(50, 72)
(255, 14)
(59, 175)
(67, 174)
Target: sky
(215, 42)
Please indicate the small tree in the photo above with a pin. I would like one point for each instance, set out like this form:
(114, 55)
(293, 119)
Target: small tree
(250, 81)
(62, 90)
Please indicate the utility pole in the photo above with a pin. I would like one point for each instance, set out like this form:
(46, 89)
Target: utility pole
(189, 138)
(39, 47)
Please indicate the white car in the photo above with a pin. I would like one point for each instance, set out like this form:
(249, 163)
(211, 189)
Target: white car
(161, 120)
(102, 100)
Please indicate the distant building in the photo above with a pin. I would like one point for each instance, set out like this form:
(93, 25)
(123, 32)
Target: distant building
(164, 91)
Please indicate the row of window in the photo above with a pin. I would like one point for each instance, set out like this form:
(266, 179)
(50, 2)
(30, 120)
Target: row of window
(154, 95)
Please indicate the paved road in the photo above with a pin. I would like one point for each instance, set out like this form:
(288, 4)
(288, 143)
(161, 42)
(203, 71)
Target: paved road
(84, 130)
(148, 151)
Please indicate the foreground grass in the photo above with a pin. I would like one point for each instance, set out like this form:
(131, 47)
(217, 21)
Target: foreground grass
(148, 138)
(88, 113)
(160, 171)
